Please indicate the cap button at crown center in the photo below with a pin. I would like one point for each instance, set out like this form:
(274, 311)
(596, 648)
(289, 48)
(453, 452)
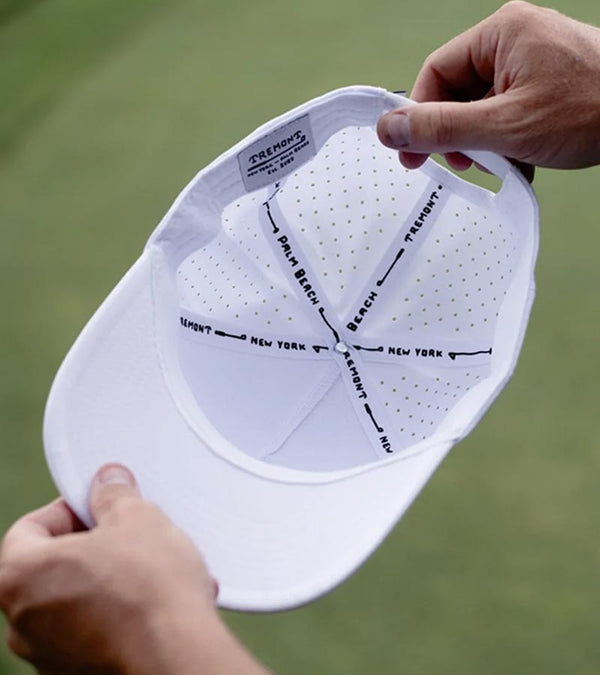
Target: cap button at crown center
(341, 347)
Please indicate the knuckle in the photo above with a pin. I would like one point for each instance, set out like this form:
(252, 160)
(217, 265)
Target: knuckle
(432, 64)
(432, 59)
(517, 14)
(10, 535)
(515, 7)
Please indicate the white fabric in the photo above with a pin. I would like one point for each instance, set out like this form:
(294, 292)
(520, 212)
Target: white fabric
(283, 369)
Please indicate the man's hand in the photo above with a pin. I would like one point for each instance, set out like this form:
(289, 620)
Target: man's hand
(132, 596)
(524, 83)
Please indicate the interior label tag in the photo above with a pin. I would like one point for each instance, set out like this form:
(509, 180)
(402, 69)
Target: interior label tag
(277, 154)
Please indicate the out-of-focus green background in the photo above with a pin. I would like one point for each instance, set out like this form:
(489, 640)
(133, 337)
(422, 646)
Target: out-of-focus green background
(107, 108)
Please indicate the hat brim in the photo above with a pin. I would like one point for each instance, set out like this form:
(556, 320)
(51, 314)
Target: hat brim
(271, 543)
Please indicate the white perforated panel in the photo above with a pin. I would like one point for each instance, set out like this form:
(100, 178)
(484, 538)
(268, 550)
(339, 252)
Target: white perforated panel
(348, 204)
(236, 278)
(456, 281)
(417, 399)
(352, 248)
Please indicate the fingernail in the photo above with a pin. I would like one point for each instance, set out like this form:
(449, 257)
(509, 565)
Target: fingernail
(115, 474)
(398, 129)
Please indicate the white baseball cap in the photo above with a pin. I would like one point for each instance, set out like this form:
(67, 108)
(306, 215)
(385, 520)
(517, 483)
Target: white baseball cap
(307, 333)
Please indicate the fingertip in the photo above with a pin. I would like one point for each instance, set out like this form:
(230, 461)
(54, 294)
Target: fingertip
(412, 160)
(382, 131)
(53, 520)
(458, 161)
(529, 173)
(114, 474)
(528, 170)
(393, 129)
(111, 483)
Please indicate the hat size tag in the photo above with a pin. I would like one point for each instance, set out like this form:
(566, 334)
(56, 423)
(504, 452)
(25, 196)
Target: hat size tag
(277, 154)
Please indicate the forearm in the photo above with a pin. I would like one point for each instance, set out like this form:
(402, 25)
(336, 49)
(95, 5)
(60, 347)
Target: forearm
(194, 645)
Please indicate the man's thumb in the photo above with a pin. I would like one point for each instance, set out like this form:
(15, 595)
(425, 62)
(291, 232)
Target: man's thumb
(111, 483)
(440, 127)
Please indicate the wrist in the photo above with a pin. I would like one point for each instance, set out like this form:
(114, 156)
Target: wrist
(188, 643)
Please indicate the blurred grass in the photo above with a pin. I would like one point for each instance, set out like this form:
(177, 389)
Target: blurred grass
(108, 109)
(10, 8)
